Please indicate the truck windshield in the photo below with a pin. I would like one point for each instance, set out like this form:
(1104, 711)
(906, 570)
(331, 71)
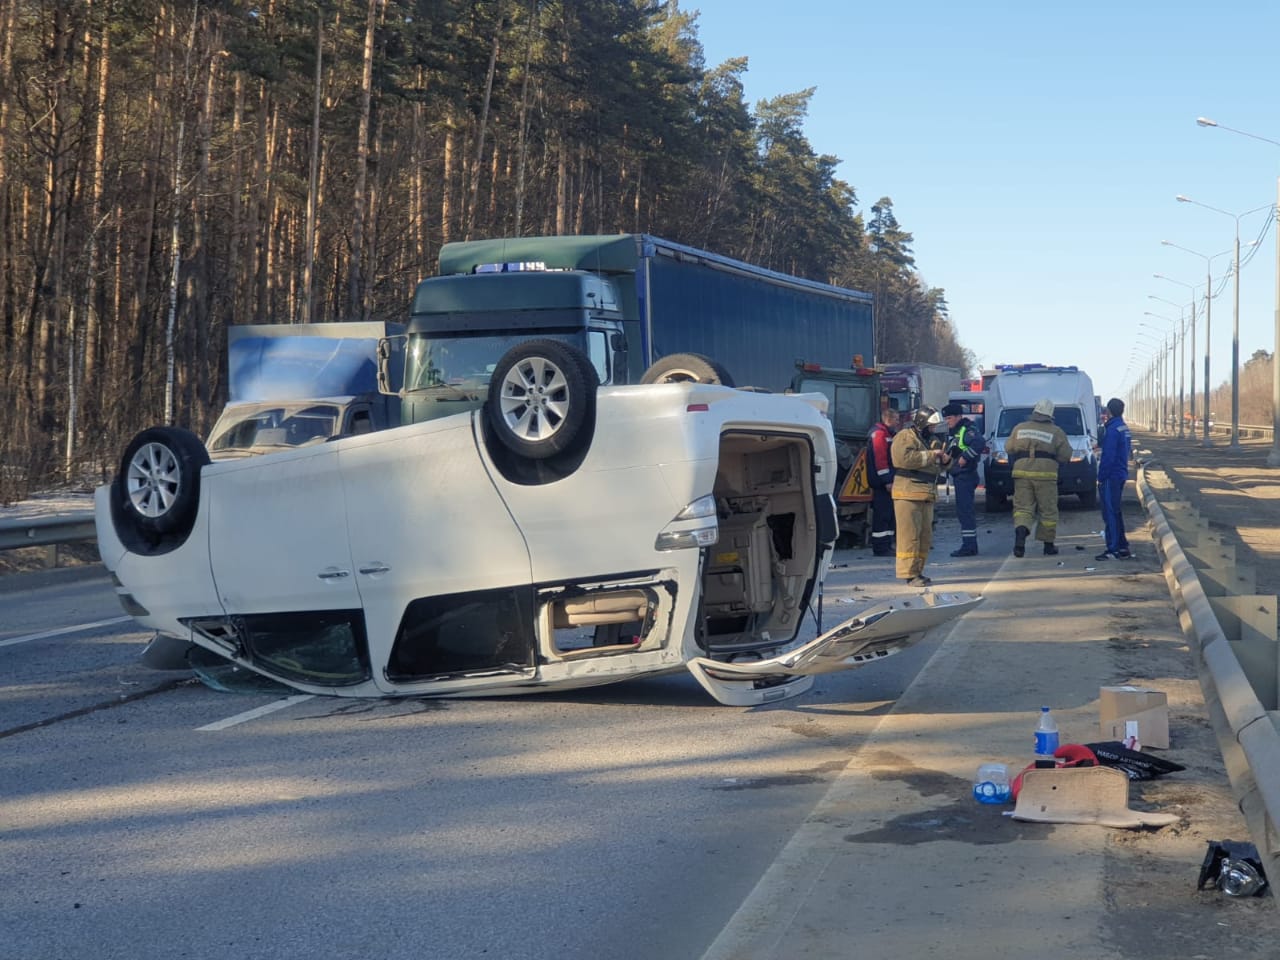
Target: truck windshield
(466, 363)
(274, 425)
(1070, 419)
(901, 400)
(850, 406)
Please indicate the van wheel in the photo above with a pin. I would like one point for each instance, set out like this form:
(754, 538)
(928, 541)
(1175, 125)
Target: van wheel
(158, 485)
(541, 396)
(687, 368)
(1088, 498)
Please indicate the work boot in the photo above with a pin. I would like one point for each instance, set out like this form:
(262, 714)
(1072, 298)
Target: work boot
(1020, 535)
(1050, 550)
(967, 549)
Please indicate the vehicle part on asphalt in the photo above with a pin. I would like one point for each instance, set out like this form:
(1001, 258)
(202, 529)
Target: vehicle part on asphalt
(1082, 795)
(1234, 867)
(687, 368)
(542, 394)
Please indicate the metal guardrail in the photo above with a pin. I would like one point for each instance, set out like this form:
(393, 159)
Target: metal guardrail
(1246, 431)
(1249, 739)
(47, 531)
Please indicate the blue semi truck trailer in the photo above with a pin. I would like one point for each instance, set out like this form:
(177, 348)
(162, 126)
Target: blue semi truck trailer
(640, 307)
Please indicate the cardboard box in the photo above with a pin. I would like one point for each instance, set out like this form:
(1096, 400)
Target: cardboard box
(1150, 708)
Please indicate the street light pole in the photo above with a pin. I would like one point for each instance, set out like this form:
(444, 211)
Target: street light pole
(1168, 355)
(1235, 316)
(1192, 365)
(1208, 325)
(1273, 458)
(1180, 347)
(1155, 377)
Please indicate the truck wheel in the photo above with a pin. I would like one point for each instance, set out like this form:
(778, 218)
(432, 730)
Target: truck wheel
(158, 486)
(687, 368)
(541, 396)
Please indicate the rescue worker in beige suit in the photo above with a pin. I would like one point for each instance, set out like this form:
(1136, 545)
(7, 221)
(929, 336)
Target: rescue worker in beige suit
(1035, 449)
(917, 461)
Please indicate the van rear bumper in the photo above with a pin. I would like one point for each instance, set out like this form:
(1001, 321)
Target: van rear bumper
(1077, 477)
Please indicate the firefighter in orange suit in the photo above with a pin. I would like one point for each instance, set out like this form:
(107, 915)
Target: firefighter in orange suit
(1035, 448)
(918, 459)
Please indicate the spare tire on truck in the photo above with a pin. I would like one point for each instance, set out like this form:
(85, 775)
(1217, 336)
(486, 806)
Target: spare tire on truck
(157, 489)
(542, 399)
(687, 368)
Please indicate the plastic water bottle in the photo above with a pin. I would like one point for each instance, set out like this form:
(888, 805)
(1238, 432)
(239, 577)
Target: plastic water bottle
(1046, 735)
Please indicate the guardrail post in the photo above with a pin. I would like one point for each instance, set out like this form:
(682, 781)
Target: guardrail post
(51, 555)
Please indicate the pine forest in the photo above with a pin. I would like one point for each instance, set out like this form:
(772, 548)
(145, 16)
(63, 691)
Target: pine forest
(168, 170)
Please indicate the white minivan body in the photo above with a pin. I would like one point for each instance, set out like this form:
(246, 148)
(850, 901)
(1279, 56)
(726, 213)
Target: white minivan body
(691, 529)
(1009, 401)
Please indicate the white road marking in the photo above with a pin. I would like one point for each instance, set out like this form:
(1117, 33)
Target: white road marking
(256, 712)
(61, 630)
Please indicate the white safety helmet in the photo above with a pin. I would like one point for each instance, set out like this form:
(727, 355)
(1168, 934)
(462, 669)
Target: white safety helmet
(1044, 407)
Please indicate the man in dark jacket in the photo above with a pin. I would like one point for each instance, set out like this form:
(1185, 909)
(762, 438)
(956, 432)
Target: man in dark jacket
(965, 445)
(880, 478)
(1113, 471)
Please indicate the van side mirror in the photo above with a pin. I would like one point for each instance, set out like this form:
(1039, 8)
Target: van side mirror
(389, 350)
(618, 342)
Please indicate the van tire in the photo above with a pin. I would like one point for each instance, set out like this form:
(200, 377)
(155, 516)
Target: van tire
(1088, 498)
(687, 368)
(157, 488)
(542, 399)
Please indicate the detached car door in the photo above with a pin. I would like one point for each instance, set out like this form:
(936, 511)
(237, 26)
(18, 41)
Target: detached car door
(879, 631)
(441, 566)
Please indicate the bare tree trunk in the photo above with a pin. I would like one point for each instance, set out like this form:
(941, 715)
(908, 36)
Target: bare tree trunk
(355, 279)
(484, 122)
(313, 180)
(175, 229)
(562, 188)
(522, 137)
(446, 185)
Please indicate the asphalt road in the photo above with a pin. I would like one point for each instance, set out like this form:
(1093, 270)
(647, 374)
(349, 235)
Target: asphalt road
(144, 814)
(142, 818)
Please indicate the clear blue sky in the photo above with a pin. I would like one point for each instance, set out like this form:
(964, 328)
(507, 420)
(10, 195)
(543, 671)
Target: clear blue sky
(1035, 151)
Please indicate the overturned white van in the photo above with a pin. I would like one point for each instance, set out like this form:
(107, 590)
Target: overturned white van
(563, 535)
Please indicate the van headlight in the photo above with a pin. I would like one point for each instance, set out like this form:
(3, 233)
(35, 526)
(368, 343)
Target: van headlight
(694, 527)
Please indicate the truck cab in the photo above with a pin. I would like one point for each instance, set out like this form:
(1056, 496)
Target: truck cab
(461, 325)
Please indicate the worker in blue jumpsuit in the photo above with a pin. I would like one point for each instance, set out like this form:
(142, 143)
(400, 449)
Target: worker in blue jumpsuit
(1113, 471)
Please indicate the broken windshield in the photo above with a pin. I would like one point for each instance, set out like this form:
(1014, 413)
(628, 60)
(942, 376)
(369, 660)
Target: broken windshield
(276, 425)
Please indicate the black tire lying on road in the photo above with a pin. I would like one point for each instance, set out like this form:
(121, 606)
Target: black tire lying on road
(157, 488)
(542, 399)
(687, 368)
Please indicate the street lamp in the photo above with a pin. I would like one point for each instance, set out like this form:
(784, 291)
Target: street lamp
(1167, 356)
(1181, 343)
(1192, 365)
(1273, 458)
(1208, 322)
(1155, 376)
(1235, 316)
